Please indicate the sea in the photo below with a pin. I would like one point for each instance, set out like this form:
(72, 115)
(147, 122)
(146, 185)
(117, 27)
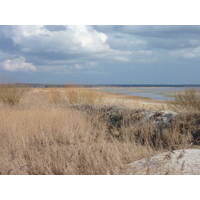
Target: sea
(156, 92)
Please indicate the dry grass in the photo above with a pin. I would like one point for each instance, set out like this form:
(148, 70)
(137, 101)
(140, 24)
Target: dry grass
(73, 95)
(187, 100)
(57, 141)
(91, 96)
(80, 95)
(136, 103)
(54, 96)
(176, 136)
(11, 93)
(37, 137)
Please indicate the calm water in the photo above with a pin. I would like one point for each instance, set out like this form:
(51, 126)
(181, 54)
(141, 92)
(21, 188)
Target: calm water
(158, 93)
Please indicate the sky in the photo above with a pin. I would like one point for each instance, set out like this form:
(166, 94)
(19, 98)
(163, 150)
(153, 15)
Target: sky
(101, 54)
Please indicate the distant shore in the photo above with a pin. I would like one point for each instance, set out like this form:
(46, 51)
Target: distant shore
(46, 85)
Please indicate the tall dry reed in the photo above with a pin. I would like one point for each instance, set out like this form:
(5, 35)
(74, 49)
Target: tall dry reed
(57, 141)
(189, 99)
(81, 95)
(54, 96)
(11, 93)
(46, 139)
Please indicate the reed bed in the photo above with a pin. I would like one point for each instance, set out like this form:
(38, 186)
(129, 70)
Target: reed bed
(43, 134)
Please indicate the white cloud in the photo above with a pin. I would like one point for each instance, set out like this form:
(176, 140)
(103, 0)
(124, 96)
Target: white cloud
(18, 64)
(121, 58)
(91, 63)
(188, 53)
(77, 66)
(18, 32)
(76, 40)
(89, 39)
(26, 50)
(145, 60)
(194, 42)
(144, 52)
(4, 56)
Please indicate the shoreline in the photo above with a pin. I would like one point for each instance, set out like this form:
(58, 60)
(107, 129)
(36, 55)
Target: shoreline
(142, 93)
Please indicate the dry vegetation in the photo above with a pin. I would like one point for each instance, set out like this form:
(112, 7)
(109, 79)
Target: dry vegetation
(11, 93)
(55, 96)
(80, 95)
(43, 134)
(187, 100)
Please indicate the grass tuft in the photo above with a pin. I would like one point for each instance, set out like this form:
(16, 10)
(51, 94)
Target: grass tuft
(81, 95)
(54, 96)
(11, 93)
(188, 99)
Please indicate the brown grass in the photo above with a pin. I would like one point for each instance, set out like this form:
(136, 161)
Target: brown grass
(43, 138)
(81, 95)
(54, 96)
(11, 93)
(57, 141)
(187, 100)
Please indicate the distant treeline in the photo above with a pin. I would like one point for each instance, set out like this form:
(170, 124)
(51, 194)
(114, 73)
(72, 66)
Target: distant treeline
(35, 85)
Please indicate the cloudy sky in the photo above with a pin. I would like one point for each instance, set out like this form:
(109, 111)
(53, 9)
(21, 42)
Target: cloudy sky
(98, 54)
